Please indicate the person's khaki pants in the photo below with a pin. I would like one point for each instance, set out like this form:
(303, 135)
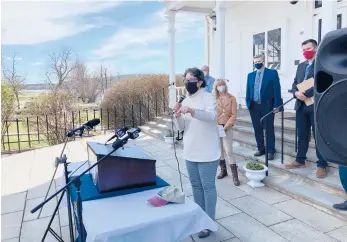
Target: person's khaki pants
(227, 147)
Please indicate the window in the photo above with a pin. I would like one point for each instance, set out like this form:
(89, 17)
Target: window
(271, 50)
(259, 44)
(319, 30)
(274, 49)
(318, 3)
(339, 21)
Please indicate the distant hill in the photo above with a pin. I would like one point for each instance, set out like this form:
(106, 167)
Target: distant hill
(44, 86)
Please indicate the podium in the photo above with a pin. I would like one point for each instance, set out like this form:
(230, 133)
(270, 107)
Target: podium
(126, 168)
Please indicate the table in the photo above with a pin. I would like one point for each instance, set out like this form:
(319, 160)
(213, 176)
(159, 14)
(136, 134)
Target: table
(129, 218)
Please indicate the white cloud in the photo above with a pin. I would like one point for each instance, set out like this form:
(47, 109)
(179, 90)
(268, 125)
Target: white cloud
(37, 22)
(134, 43)
(16, 58)
(36, 63)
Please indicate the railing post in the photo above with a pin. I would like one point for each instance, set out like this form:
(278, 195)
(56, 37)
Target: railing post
(38, 129)
(123, 115)
(18, 139)
(101, 119)
(28, 129)
(282, 136)
(132, 115)
(115, 118)
(108, 119)
(156, 104)
(164, 98)
(47, 128)
(79, 117)
(148, 108)
(73, 119)
(140, 113)
(64, 123)
(8, 137)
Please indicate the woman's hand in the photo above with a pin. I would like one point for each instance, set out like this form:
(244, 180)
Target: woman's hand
(186, 109)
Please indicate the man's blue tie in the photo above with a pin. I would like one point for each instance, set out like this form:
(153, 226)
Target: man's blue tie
(307, 71)
(256, 87)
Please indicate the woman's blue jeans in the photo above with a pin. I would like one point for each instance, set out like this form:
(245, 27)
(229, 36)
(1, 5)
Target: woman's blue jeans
(202, 176)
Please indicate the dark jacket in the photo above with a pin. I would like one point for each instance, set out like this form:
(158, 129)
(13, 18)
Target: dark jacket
(299, 77)
(270, 91)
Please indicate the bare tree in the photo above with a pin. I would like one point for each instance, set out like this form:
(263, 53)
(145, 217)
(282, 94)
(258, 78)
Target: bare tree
(104, 79)
(60, 67)
(12, 79)
(82, 85)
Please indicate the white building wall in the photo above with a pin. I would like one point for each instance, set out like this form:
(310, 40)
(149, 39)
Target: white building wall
(297, 23)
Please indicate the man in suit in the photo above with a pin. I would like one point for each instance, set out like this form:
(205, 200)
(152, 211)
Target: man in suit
(208, 79)
(263, 94)
(304, 113)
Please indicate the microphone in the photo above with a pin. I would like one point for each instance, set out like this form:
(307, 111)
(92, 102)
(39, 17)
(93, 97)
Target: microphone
(131, 134)
(181, 98)
(88, 125)
(118, 133)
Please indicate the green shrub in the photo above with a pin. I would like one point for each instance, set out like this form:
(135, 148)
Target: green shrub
(254, 164)
(139, 98)
(169, 133)
(8, 106)
(53, 112)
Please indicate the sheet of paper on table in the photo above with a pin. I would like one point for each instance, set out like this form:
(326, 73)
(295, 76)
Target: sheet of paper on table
(304, 86)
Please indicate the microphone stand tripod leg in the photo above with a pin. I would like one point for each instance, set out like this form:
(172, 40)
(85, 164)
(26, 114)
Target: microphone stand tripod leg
(51, 220)
(68, 204)
(77, 184)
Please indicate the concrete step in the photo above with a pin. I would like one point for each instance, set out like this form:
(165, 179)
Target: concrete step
(300, 189)
(298, 183)
(245, 135)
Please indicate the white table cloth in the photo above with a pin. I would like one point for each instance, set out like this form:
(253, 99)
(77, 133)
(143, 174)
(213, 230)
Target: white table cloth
(130, 218)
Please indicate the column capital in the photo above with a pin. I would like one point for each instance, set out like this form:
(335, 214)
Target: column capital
(220, 5)
(170, 15)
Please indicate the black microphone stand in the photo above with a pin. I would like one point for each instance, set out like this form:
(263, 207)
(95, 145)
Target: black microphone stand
(77, 182)
(62, 159)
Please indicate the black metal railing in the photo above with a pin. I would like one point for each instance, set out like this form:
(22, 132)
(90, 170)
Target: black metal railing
(30, 132)
(282, 132)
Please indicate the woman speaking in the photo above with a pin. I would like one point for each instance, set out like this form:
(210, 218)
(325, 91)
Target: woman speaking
(197, 117)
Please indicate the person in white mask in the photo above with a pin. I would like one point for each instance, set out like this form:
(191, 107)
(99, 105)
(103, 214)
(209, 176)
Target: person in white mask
(226, 116)
(209, 80)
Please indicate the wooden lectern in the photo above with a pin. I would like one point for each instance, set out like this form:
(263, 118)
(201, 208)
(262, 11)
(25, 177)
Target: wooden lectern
(126, 168)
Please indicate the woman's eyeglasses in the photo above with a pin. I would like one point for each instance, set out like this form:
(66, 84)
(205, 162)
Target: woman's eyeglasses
(190, 80)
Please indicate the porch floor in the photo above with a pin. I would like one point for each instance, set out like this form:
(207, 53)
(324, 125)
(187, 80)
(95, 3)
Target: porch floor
(243, 213)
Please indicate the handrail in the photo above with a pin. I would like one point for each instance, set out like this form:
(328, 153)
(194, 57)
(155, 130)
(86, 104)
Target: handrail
(282, 132)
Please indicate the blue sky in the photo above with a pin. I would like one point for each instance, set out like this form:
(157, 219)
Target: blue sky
(128, 37)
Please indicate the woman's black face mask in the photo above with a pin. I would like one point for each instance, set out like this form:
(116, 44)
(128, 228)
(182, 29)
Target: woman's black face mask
(191, 85)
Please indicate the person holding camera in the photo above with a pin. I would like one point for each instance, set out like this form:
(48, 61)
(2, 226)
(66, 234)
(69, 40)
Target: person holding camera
(226, 112)
(197, 117)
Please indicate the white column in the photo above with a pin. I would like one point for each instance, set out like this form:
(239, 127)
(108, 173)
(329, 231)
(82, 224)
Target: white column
(212, 50)
(220, 25)
(170, 15)
(207, 41)
(329, 16)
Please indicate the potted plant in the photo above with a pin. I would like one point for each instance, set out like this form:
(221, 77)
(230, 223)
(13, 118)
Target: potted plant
(255, 172)
(169, 137)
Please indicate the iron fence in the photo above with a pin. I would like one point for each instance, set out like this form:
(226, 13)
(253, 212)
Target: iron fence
(43, 130)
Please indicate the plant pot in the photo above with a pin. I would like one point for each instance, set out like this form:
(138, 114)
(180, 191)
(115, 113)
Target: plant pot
(169, 140)
(255, 176)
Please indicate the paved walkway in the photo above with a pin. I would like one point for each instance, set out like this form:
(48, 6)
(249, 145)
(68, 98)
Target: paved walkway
(243, 213)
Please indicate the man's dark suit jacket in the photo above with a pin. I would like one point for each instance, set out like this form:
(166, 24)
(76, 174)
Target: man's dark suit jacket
(270, 91)
(299, 77)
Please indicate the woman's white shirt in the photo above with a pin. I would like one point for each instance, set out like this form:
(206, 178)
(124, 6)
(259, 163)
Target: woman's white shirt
(201, 138)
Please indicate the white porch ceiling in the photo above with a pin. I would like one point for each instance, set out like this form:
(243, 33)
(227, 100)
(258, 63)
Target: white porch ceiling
(205, 7)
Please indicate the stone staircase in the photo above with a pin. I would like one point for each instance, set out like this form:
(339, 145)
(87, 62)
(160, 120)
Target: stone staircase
(301, 183)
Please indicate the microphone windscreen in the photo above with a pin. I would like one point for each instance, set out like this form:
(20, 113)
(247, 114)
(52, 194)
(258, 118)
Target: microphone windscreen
(181, 98)
(93, 122)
